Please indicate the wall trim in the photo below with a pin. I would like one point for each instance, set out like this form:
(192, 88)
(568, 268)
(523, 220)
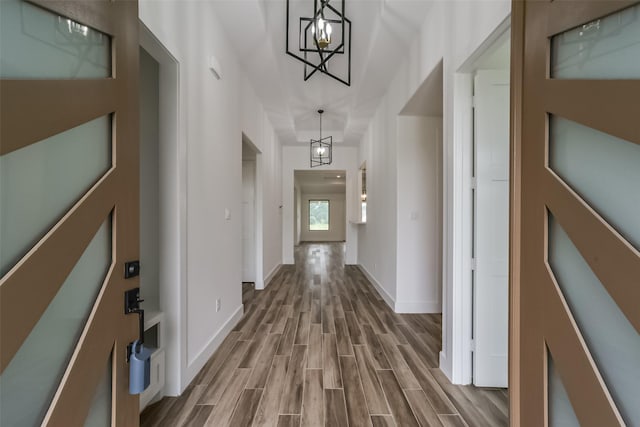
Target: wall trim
(391, 302)
(205, 354)
(418, 307)
(401, 306)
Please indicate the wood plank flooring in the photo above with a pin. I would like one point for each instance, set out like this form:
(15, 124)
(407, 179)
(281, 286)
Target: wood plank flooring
(319, 347)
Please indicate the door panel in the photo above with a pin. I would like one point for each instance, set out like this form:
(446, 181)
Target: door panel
(69, 215)
(577, 137)
(599, 49)
(561, 412)
(100, 411)
(491, 291)
(44, 45)
(31, 378)
(592, 163)
(603, 329)
(39, 183)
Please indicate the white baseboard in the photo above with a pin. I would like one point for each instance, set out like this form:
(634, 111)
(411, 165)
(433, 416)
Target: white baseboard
(402, 306)
(203, 357)
(383, 293)
(418, 307)
(271, 275)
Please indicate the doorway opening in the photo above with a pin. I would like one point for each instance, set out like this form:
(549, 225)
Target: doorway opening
(487, 238)
(251, 255)
(162, 216)
(420, 204)
(320, 206)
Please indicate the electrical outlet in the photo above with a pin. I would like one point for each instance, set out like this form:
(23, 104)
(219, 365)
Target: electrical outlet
(218, 304)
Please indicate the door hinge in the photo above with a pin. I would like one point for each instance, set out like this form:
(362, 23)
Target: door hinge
(473, 264)
(472, 345)
(473, 101)
(474, 182)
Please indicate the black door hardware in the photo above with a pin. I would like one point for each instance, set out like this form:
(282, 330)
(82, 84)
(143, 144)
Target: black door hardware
(132, 306)
(131, 269)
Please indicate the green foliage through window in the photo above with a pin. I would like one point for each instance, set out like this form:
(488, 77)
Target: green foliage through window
(318, 215)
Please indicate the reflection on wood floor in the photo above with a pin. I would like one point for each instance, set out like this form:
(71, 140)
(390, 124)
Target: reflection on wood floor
(319, 347)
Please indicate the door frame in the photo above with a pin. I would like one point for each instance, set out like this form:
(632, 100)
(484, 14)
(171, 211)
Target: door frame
(258, 214)
(172, 257)
(462, 298)
(250, 263)
(515, 207)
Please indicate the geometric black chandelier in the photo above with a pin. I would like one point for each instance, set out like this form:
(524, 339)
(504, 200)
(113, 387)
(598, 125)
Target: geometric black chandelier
(321, 148)
(324, 38)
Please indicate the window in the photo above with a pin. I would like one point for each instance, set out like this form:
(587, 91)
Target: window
(318, 215)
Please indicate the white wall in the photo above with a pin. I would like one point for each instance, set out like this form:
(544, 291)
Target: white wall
(212, 116)
(377, 238)
(337, 218)
(297, 158)
(451, 33)
(419, 261)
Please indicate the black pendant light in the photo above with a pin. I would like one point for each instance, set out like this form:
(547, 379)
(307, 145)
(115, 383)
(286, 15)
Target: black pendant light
(320, 37)
(321, 149)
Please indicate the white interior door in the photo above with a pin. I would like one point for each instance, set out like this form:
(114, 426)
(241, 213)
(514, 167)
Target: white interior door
(491, 240)
(248, 221)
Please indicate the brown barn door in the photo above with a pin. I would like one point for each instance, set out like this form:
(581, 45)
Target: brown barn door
(577, 142)
(68, 210)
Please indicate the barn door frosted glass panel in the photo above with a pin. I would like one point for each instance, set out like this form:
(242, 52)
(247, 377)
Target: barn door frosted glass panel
(561, 413)
(29, 382)
(41, 182)
(612, 340)
(603, 169)
(607, 48)
(100, 412)
(38, 44)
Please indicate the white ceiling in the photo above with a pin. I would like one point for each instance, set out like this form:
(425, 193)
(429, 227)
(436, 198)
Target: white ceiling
(321, 182)
(382, 32)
